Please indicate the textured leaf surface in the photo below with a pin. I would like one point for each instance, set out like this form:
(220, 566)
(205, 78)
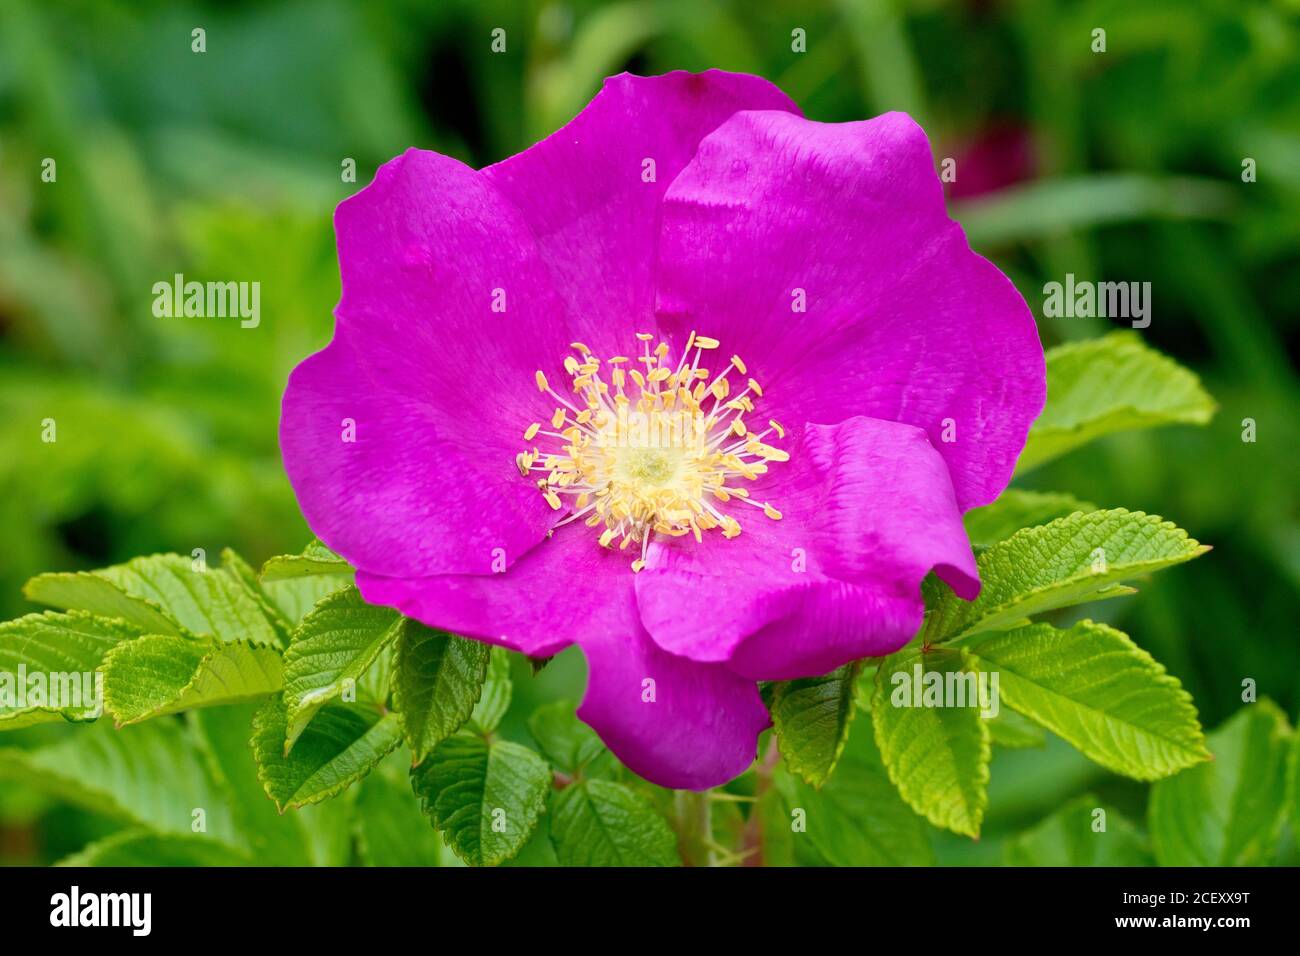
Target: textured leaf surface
(339, 747)
(1071, 560)
(483, 797)
(1115, 383)
(603, 823)
(937, 756)
(1091, 685)
(163, 594)
(858, 818)
(1016, 509)
(497, 691)
(71, 645)
(812, 718)
(1015, 731)
(155, 775)
(329, 651)
(1073, 837)
(316, 559)
(437, 682)
(1228, 811)
(159, 674)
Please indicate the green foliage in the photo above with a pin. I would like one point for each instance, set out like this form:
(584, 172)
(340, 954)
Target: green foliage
(158, 674)
(1084, 832)
(1227, 811)
(1082, 557)
(1094, 687)
(329, 652)
(49, 643)
(568, 743)
(484, 796)
(1108, 385)
(812, 719)
(937, 756)
(603, 823)
(438, 681)
(340, 746)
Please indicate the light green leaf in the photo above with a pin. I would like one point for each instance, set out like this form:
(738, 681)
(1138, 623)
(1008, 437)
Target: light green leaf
(154, 775)
(1015, 732)
(159, 674)
(602, 823)
(246, 578)
(1016, 509)
(339, 747)
(857, 818)
(143, 848)
(1106, 385)
(497, 689)
(437, 681)
(391, 830)
(936, 750)
(66, 650)
(275, 839)
(85, 591)
(164, 594)
(1098, 690)
(812, 718)
(329, 652)
(1079, 835)
(316, 559)
(1071, 560)
(484, 797)
(565, 740)
(1227, 811)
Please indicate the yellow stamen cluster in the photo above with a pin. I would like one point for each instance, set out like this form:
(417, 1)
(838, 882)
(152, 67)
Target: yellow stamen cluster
(643, 447)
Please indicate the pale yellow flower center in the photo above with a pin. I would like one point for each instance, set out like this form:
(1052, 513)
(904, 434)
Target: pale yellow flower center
(655, 449)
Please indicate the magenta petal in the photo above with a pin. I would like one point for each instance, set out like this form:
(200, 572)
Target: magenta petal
(438, 385)
(584, 193)
(566, 589)
(675, 722)
(868, 509)
(903, 321)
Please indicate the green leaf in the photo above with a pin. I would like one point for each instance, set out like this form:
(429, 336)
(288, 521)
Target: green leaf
(143, 848)
(484, 797)
(857, 818)
(495, 698)
(1015, 732)
(1098, 690)
(154, 775)
(159, 674)
(1077, 835)
(164, 594)
(1108, 385)
(329, 652)
(437, 681)
(936, 750)
(339, 747)
(812, 718)
(1016, 509)
(565, 740)
(275, 839)
(66, 650)
(1228, 811)
(391, 830)
(603, 823)
(316, 559)
(1071, 560)
(85, 591)
(246, 578)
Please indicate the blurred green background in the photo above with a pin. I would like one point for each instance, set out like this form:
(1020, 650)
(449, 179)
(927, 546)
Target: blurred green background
(1123, 165)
